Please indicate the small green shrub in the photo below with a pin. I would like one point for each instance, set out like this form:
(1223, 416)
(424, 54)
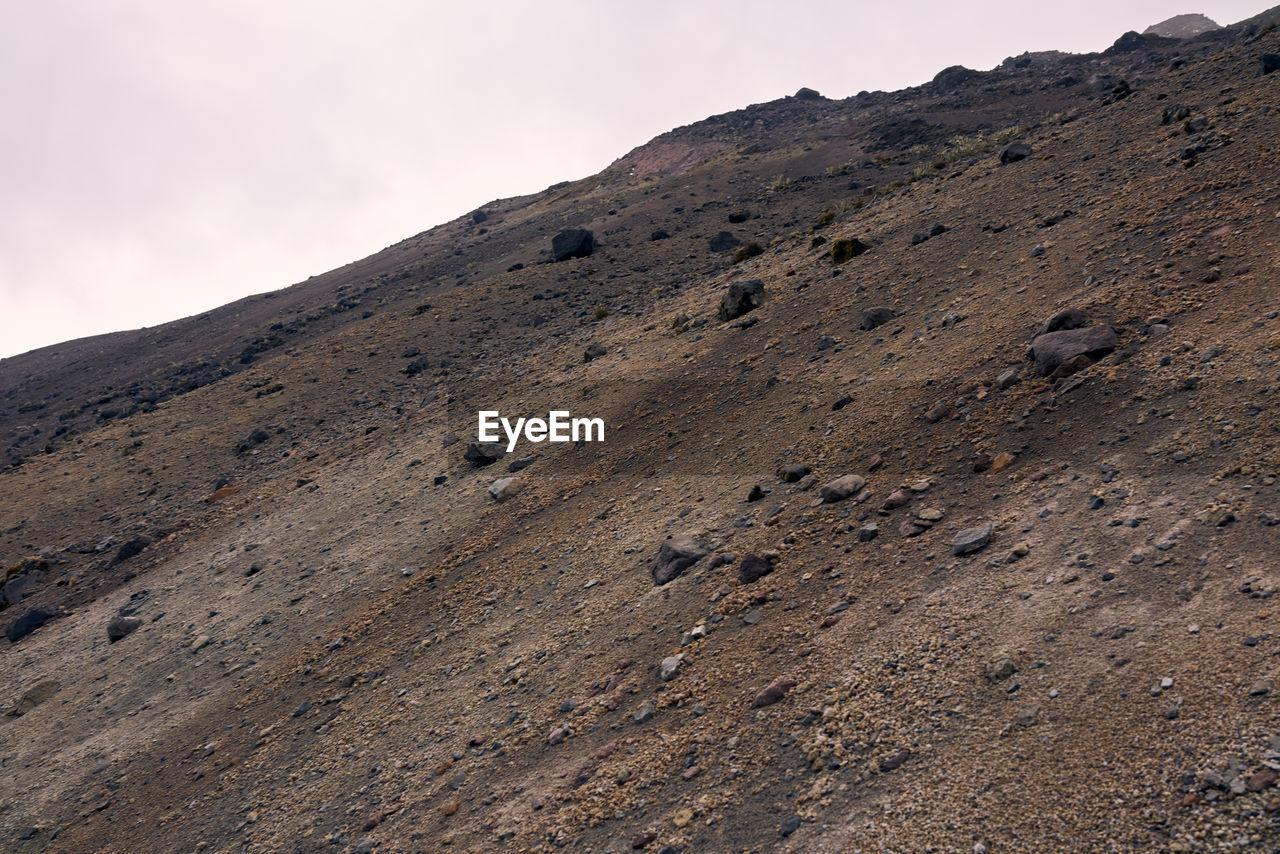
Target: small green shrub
(749, 250)
(845, 248)
(602, 313)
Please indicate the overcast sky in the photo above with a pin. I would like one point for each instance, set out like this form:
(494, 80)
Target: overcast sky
(162, 157)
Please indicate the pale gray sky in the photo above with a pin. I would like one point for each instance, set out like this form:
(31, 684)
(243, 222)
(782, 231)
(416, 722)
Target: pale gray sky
(161, 158)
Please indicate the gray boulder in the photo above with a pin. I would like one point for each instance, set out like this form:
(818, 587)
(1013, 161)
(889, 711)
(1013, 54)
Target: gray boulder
(873, 317)
(1014, 152)
(741, 298)
(841, 488)
(1054, 348)
(675, 555)
(971, 540)
(121, 627)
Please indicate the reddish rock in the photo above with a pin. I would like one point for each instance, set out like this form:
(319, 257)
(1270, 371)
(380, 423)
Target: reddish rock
(773, 692)
(1263, 779)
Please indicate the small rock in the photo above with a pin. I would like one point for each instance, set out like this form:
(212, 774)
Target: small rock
(645, 712)
(896, 499)
(558, 734)
(1018, 552)
(773, 692)
(971, 540)
(789, 825)
(867, 533)
(256, 437)
(1002, 461)
(873, 317)
(1262, 779)
(670, 667)
(752, 568)
(936, 413)
(121, 627)
(723, 242)
(894, 762)
(641, 840)
(1000, 669)
(504, 488)
(841, 488)
(1261, 688)
(594, 351)
(675, 555)
(1014, 152)
(793, 473)
(697, 633)
(483, 453)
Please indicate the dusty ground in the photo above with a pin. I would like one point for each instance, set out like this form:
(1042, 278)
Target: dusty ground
(337, 653)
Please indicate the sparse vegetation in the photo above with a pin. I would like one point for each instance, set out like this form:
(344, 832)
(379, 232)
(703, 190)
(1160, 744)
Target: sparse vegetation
(846, 248)
(749, 250)
(602, 313)
(779, 184)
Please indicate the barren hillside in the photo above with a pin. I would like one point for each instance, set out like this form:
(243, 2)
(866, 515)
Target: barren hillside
(937, 508)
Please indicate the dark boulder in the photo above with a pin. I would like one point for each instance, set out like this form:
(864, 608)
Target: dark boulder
(1014, 152)
(949, 79)
(804, 93)
(660, 234)
(132, 548)
(1270, 62)
(483, 453)
(572, 243)
(675, 555)
(416, 367)
(1054, 348)
(478, 217)
(723, 242)
(793, 473)
(873, 317)
(256, 437)
(28, 622)
(120, 628)
(594, 351)
(752, 568)
(1068, 318)
(739, 217)
(741, 298)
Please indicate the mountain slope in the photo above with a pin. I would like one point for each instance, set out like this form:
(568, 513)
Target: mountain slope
(338, 651)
